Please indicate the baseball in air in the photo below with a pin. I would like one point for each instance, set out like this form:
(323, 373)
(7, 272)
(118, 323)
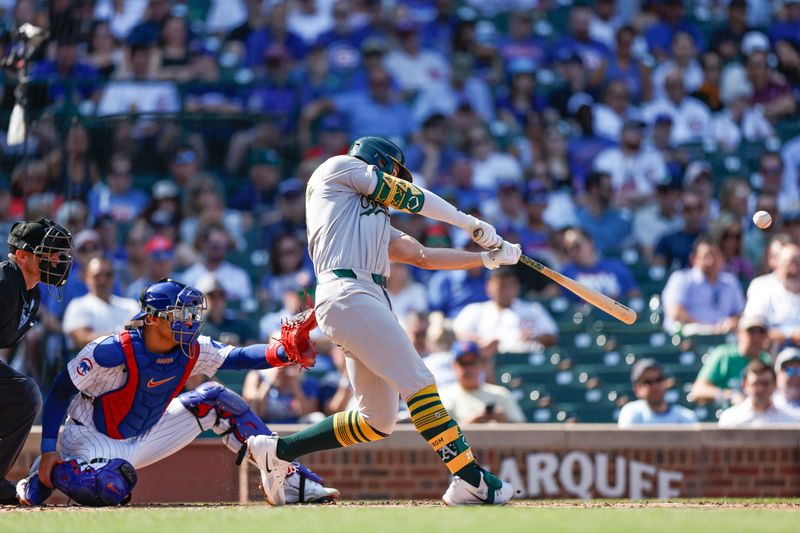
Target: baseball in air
(762, 219)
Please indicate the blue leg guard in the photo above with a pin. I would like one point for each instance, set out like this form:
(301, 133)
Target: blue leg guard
(231, 407)
(110, 485)
(31, 491)
(228, 405)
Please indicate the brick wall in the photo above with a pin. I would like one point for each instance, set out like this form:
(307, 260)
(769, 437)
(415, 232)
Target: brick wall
(555, 461)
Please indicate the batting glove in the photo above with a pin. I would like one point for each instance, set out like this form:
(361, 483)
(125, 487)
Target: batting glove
(507, 254)
(482, 233)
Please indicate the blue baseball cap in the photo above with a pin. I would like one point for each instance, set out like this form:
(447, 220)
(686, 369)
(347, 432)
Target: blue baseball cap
(291, 187)
(463, 348)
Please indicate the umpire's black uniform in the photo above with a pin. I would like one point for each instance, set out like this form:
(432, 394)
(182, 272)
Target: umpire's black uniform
(20, 399)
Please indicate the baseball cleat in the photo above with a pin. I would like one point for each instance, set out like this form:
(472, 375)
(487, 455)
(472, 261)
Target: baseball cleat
(491, 491)
(263, 450)
(301, 489)
(31, 491)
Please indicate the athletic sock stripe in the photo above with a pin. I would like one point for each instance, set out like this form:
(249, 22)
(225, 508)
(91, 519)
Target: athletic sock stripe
(425, 404)
(444, 438)
(430, 389)
(352, 426)
(360, 428)
(425, 425)
(336, 431)
(339, 426)
(418, 399)
(347, 428)
(435, 408)
(367, 430)
(460, 461)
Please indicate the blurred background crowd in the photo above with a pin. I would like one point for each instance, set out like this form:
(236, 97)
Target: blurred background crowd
(625, 142)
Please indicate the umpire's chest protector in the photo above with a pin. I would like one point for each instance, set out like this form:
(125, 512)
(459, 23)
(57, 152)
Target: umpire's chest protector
(153, 381)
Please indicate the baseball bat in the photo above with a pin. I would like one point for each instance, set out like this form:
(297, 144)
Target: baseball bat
(619, 311)
(601, 301)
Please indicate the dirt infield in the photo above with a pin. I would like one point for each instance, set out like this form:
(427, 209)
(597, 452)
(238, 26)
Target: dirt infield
(786, 504)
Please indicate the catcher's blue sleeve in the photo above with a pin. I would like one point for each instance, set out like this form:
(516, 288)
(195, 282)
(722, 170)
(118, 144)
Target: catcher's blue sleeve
(55, 409)
(251, 357)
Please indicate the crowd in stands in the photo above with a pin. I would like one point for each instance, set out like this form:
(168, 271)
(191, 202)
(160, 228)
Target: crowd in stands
(626, 143)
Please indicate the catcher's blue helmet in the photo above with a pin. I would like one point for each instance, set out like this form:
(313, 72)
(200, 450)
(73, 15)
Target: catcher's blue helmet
(385, 155)
(183, 306)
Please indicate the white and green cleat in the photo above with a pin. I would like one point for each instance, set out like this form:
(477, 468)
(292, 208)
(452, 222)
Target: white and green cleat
(491, 491)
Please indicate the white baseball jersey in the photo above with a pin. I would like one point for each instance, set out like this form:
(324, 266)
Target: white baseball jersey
(345, 228)
(93, 380)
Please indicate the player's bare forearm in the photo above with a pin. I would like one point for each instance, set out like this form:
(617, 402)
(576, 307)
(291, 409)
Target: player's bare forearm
(407, 249)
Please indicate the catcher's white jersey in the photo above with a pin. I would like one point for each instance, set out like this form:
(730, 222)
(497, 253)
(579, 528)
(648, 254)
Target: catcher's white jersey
(345, 228)
(92, 380)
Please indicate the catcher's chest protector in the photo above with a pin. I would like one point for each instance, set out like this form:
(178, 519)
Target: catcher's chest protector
(153, 381)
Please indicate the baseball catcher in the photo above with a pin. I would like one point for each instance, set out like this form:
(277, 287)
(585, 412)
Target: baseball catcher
(126, 409)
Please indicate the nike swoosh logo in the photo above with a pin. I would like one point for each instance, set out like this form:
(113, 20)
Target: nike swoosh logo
(151, 383)
(112, 488)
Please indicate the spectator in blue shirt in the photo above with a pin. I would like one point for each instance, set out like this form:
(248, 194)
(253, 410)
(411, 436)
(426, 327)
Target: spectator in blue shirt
(593, 54)
(609, 228)
(449, 291)
(703, 299)
(521, 43)
(274, 33)
(65, 74)
(431, 155)
(258, 196)
(659, 35)
(650, 386)
(376, 111)
(674, 249)
(607, 276)
(290, 217)
(789, 28)
(582, 149)
(278, 93)
(118, 198)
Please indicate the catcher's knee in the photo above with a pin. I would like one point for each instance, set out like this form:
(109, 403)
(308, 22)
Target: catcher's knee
(107, 486)
(232, 414)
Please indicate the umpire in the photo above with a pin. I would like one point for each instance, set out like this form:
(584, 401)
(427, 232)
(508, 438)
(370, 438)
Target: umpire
(38, 251)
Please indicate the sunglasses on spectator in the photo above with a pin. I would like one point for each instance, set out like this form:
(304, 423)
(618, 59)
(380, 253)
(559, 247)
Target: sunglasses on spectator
(736, 236)
(653, 381)
(759, 330)
(792, 371)
(103, 274)
(468, 362)
(771, 170)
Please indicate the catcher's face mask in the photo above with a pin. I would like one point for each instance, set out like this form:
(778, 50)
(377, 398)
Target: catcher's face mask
(186, 318)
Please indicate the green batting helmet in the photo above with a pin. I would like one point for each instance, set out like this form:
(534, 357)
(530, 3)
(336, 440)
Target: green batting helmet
(381, 153)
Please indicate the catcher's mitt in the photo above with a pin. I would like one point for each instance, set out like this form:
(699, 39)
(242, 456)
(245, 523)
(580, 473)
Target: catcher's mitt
(295, 337)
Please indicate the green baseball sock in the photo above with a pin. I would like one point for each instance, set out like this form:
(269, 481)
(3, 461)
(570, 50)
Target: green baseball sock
(336, 431)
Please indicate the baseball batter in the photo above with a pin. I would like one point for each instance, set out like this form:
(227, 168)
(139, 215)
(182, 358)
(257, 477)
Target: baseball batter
(351, 243)
(126, 410)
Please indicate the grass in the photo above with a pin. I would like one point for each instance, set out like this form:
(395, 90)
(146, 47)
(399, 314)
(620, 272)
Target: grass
(406, 519)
